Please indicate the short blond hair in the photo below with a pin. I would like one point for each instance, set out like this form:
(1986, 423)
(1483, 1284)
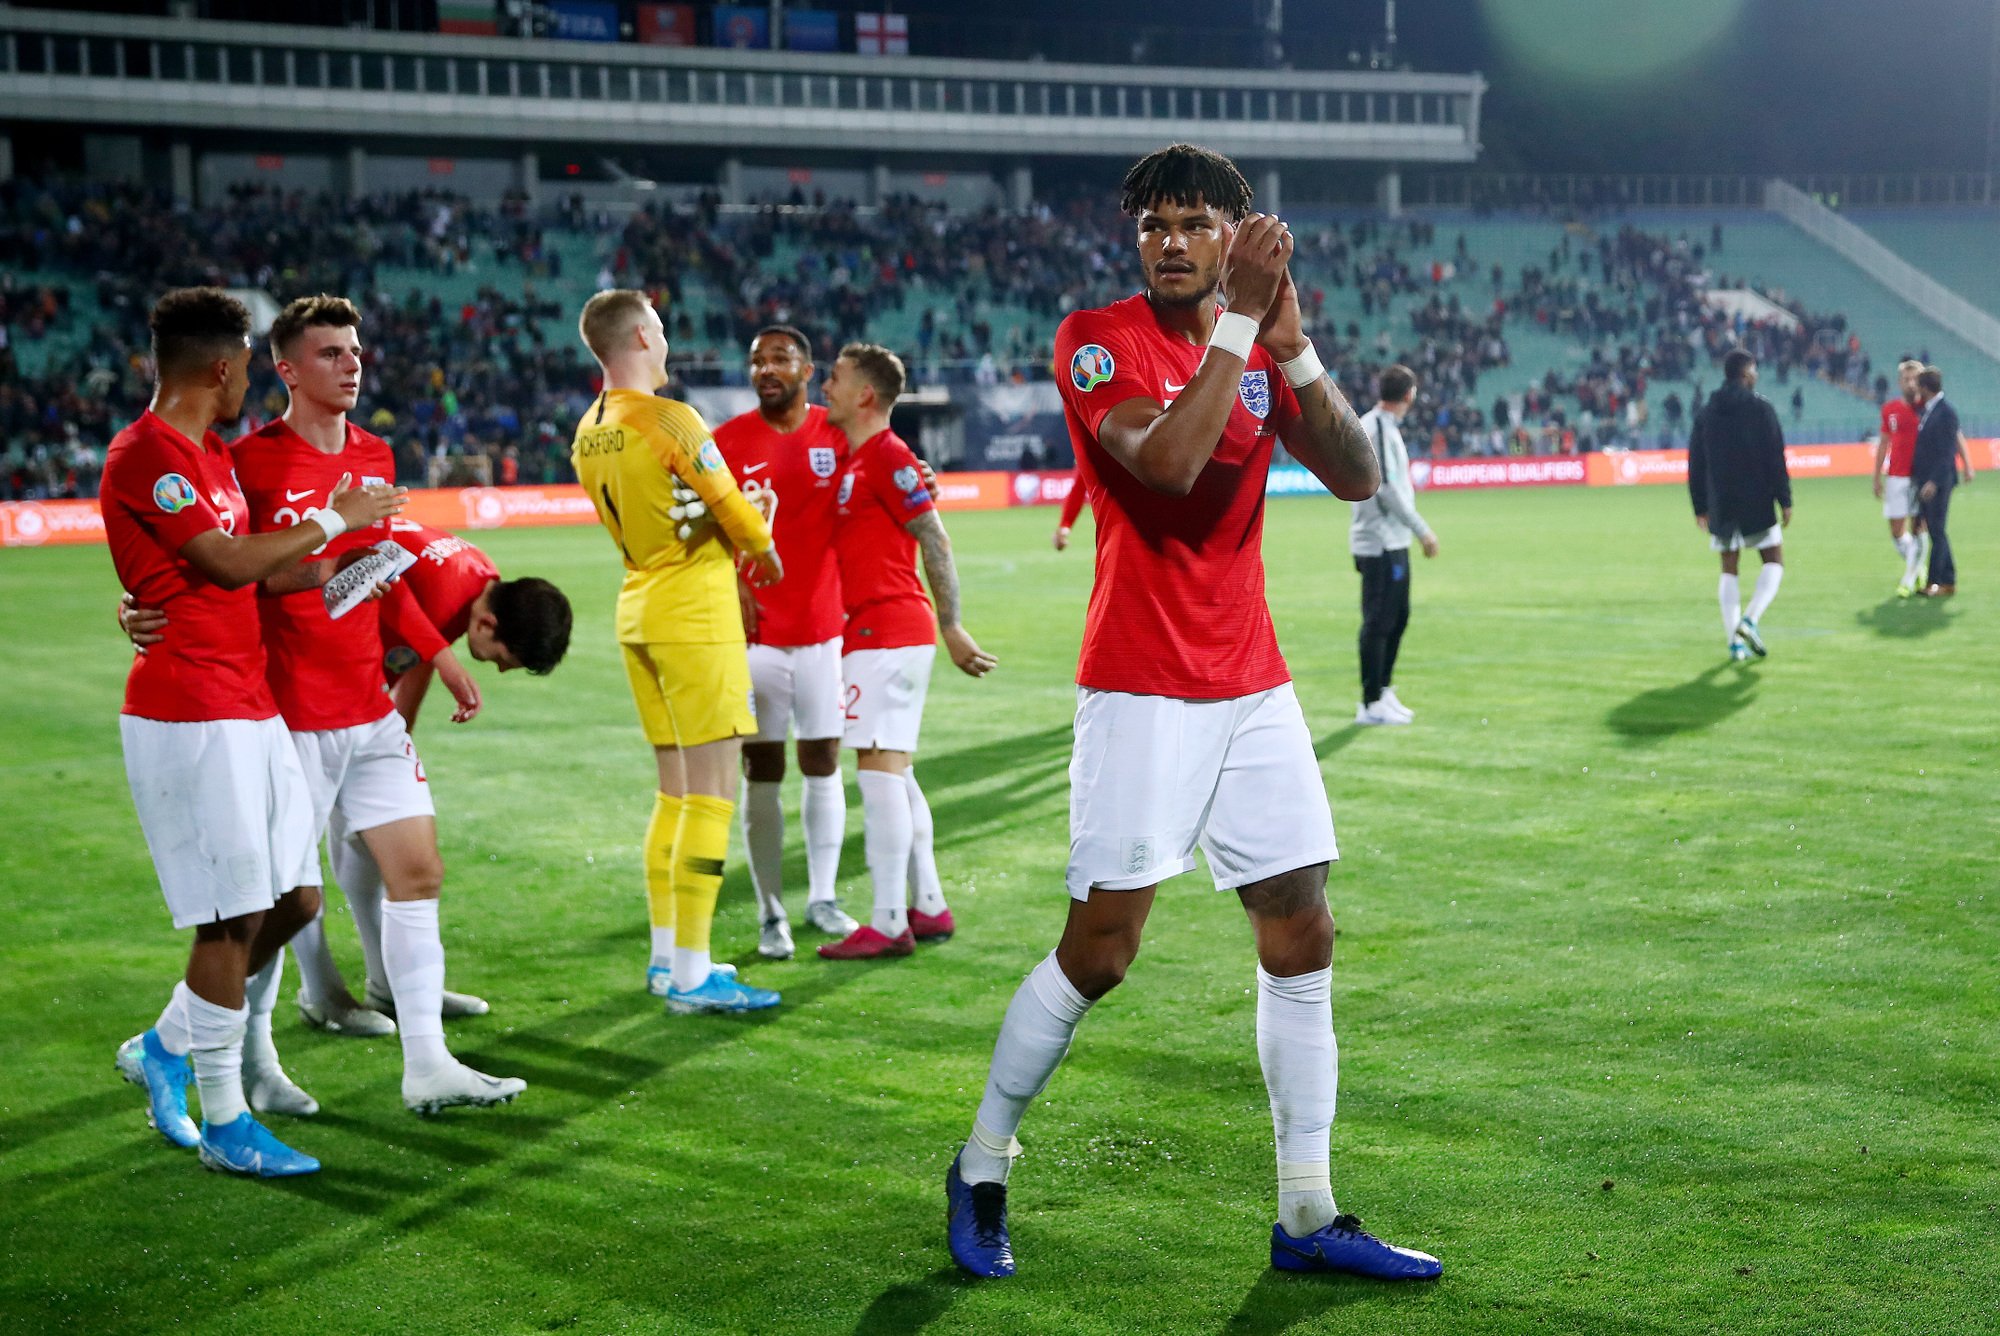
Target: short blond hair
(304, 313)
(608, 318)
(880, 368)
(1908, 364)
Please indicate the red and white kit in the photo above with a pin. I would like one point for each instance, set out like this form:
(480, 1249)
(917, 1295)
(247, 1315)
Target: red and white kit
(434, 598)
(792, 477)
(1899, 429)
(891, 635)
(218, 788)
(1188, 731)
(327, 674)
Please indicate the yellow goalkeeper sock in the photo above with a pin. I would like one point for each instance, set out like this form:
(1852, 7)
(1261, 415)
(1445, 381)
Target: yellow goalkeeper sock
(660, 832)
(699, 848)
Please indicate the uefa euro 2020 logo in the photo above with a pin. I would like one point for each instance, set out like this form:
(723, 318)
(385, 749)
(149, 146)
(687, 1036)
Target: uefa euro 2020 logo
(1091, 367)
(173, 493)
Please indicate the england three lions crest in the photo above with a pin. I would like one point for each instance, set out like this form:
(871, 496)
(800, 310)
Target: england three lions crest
(822, 460)
(1256, 393)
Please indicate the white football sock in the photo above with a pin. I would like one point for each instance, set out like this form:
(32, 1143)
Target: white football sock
(663, 949)
(1768, 580)
(360, 882)
(928, 890)
(217, 1053)
(1032, 1042)
(885, 818)
(1732, 605)
(1913, 558)
(319, 977)
(260, 1000)
(764, 836)
(824, 811)
(413, 954)
(692, 967)
(174, 1028)
(1301, 1064)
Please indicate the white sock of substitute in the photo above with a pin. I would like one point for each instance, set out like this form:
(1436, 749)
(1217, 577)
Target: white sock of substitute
(1768, 580)
(1913, 558)
(413, 954)
(925, 887)
(174, 1027)
(216, 1051)
(1301, 1064)
(1032, 1042)
(1732, 604)
(319, 977)
(360, 883)
(260, 998)
(824, 812)
(885, 817)
(764, 836)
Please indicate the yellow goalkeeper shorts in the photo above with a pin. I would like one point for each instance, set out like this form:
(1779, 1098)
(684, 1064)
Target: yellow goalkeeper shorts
(691, 694)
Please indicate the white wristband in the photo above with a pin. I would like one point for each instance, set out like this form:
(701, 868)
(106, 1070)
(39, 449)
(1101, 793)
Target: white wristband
(1304, 369)
(1234, 333)
(328, 519)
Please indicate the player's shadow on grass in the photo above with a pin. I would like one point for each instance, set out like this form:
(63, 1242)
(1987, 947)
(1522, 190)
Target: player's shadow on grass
(912, 1305)
(1905, 618)
(1336, 740)
(1701, 702)
(1280, 1301)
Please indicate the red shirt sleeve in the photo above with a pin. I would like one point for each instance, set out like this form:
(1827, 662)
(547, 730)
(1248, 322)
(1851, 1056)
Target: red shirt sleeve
(1096, 369)
(404, 618)
(897, 484)
(1073, 503)
(164, 493)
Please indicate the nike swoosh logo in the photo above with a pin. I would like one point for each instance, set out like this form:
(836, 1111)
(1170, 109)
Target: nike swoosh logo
(752, 468)
(291, 495)
(1173, 388)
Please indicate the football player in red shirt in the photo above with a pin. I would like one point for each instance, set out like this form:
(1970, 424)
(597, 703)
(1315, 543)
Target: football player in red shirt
(1188, 732)
(1895, 446)
(220, 795)
(786, 457)
(885, 516)
(359, 761)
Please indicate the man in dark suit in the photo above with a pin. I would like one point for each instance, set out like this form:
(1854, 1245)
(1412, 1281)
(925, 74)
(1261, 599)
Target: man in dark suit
(1934, 473)
(1742, 493)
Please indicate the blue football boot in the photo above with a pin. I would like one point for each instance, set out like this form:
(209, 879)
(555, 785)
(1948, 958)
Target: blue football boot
(1747, 632)
(1343, 1246)
(975, 1224)
(721, 991)
(247, 1147)
(165, 1079)
(659, 978)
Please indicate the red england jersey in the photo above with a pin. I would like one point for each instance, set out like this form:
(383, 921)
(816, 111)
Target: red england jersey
(1899, 429)
(325, 673)
(159, 490)
(792, 477)
(431, 606)
(1177, 607)
(880, 491)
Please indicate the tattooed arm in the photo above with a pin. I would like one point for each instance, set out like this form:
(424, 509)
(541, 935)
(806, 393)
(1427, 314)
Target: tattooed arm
(1328, 439)
(932, 540)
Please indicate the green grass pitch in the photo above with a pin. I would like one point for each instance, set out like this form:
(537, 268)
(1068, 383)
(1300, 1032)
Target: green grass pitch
(1665, 989)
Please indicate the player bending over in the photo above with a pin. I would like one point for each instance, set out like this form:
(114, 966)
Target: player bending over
(886, 515)
(786, 456)
(1187, 729)
(681, 631)
(218, 787)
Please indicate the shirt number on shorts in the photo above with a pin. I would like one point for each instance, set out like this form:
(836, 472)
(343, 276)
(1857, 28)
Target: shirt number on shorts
(410, 750)
(853, 699)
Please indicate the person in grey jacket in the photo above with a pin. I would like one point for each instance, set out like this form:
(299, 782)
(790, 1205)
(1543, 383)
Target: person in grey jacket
(1380, 538)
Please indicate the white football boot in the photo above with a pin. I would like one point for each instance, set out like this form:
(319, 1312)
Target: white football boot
(356, 1020)
(454, 1085)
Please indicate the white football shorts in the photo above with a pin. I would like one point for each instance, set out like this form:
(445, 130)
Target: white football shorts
(885, 696)
(797, 687)
(1152, 777)
(1899, 499)
(226, 813)
(1771, 537)
(370, 772)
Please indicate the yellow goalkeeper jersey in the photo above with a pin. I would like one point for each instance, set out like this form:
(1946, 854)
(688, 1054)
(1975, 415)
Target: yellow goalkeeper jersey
(629, 450)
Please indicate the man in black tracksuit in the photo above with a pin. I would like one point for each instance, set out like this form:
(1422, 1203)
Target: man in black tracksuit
(1934, 473)
(1742, 493)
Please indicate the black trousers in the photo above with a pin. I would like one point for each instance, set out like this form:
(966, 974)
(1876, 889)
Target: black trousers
(1944, 571)
(1385, 611)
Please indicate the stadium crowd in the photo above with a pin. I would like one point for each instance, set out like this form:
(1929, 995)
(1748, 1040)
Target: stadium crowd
(481, 389)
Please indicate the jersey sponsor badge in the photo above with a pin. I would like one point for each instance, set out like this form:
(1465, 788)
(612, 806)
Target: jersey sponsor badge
(707, 459)
(1091, 366)
(905, 479)
(846, 490)
(822, 460)
(173, 493)
(1256, 393)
